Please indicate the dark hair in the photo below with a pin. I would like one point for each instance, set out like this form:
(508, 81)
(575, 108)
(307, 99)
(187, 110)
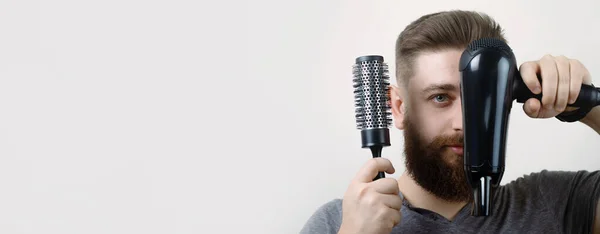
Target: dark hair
(438, 31)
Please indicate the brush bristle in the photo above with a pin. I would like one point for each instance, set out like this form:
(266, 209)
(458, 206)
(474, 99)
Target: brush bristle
(371, 93)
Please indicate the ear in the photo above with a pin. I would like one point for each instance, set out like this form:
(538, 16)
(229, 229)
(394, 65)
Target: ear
(398, 107)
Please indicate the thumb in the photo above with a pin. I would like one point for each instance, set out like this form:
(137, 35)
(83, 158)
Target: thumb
(532, 108)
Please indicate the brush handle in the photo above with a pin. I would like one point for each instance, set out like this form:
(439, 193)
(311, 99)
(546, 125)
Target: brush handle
(376, 151)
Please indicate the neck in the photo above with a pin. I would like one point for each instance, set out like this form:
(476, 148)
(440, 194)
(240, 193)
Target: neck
(420, 198)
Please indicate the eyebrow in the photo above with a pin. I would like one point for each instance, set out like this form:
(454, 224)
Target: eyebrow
(440, 87)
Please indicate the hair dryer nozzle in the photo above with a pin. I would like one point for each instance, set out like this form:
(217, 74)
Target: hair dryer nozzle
(481, 197)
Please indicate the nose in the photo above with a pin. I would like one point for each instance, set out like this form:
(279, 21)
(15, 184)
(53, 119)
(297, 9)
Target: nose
(457, 116)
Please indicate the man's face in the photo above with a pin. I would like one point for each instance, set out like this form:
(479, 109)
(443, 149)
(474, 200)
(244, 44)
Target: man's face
(432, 122)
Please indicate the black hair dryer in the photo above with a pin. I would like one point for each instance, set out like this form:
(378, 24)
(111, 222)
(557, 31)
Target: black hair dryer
(489, 83)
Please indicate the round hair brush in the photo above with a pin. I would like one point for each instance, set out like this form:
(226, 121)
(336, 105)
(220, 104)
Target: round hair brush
(371, 93)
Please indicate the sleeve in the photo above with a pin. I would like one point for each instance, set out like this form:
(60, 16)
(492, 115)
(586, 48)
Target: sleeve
(326, 219)
(572, 198)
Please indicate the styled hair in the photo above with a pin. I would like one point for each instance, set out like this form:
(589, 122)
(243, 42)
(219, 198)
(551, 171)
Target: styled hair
(440, 31)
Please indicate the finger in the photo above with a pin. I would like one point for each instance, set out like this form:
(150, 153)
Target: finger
(386, 186)
(577, 75)
(549, 81)
(374, 166)
(529, 71)
(391, 201)
(587, 78)
(532, 108)
(564, 83)
(395, 216)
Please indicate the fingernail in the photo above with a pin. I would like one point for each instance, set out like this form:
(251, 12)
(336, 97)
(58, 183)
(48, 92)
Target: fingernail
(537, 89)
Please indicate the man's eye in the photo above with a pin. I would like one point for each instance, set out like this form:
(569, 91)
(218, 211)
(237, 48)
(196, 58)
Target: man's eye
(440, 98)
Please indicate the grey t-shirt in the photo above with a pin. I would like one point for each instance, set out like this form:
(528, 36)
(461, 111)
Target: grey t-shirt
(544, 202)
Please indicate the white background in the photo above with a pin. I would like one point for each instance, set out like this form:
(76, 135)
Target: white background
(190, 117)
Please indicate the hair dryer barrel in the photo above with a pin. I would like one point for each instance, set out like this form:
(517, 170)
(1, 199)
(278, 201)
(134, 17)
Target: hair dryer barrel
(487, 72)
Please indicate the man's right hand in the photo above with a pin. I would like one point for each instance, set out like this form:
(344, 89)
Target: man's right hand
(371, 206)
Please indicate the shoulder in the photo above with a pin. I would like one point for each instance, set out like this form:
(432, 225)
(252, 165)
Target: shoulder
(570, 197)
(546, 184)
(536, 185)
(333, 206)
(548, 177)
(331, 209)
(326, 219)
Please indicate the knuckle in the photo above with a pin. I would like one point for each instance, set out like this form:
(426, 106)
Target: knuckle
(370, 199)
(574, 63)
(363, 192)
(385, 164)
(382, 159)
(389, 181)
(562, 58)
(371, 163)
(393, 184)
(578, 69)
(382, 213)
(526, 65)
(547, 57)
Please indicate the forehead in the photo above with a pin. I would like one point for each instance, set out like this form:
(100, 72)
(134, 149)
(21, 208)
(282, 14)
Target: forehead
(439, 67)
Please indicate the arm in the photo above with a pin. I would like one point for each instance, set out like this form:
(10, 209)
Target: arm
(592, 119)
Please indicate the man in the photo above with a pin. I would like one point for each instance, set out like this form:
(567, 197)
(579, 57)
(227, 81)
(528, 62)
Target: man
(432, 196)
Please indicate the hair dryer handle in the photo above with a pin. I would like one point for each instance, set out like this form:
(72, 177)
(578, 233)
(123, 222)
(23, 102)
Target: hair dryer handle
(589, 96)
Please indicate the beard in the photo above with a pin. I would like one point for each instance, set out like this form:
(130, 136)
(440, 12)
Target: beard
(435, 167)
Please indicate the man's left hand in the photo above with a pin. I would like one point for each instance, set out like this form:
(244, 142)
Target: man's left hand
(561, 82)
